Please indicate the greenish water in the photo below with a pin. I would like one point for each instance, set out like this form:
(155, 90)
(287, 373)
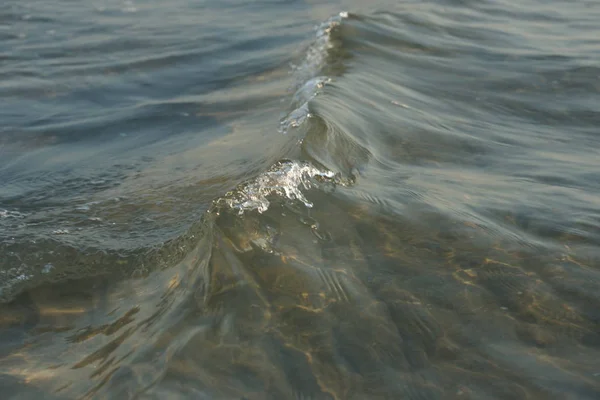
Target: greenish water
(294, 200)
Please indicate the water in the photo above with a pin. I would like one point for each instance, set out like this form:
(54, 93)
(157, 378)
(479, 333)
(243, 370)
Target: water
(294, 200)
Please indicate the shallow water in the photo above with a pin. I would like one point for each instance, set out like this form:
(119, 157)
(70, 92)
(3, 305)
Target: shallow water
(293, 200)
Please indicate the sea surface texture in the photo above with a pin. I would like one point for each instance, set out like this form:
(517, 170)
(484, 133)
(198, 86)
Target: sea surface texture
(299, 199)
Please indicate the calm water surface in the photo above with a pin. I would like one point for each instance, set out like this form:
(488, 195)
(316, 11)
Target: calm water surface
(205, 199)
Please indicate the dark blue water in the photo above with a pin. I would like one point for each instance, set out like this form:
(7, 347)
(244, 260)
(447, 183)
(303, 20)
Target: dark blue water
(288, 199)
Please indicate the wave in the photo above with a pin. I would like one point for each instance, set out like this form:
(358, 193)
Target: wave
(32, 263)
(307, 74)
(382, 290)
(186, 264)
(287, 179)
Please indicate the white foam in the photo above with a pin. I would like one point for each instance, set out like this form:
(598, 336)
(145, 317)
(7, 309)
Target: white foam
(11, 214)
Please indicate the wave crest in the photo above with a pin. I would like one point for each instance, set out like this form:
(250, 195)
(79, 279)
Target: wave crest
(308, 81)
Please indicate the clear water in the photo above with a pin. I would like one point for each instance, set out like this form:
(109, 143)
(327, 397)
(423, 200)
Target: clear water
(296, 200)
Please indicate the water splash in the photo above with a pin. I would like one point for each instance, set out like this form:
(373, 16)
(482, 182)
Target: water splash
(285, 179)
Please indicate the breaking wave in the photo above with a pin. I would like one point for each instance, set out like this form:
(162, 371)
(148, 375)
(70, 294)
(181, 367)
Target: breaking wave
(456, 256)
(31, 264)
(285, 179)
